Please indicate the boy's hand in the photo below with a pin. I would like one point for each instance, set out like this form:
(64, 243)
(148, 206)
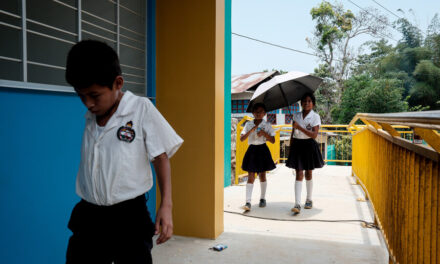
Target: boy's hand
(164, 218)
(296, 125)
(261, 133)
(164, 221)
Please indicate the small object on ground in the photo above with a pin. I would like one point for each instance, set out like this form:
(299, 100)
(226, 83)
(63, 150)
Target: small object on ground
(369, 225)
(219, 247)
(360, 199)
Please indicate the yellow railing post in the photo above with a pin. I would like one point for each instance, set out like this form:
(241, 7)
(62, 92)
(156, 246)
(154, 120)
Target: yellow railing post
(402, 181)
(240, 149)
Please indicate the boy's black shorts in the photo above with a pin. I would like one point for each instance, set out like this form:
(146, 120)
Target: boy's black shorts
(121, 233)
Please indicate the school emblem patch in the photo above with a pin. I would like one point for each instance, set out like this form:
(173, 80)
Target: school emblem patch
(126, 133)
(309, 127)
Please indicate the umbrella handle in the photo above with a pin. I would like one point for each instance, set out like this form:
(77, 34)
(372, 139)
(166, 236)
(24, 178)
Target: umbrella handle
(285, 99)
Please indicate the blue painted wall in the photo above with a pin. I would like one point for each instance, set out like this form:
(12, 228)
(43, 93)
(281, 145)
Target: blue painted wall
(227, 179)
(151, 85)
(40, 139)
(40, 135)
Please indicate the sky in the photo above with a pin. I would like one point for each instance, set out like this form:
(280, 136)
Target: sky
(288, 22)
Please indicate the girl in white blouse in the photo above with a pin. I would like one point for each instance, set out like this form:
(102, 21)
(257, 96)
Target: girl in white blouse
(257, 158)
(304, 154)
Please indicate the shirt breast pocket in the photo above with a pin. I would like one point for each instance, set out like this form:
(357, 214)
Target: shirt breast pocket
(132, 144)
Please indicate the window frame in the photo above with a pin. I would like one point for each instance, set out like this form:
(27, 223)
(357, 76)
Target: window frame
(25, 84)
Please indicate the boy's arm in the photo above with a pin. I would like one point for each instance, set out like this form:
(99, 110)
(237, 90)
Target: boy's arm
(164, 217)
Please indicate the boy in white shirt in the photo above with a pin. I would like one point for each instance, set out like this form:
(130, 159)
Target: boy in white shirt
(123, 134)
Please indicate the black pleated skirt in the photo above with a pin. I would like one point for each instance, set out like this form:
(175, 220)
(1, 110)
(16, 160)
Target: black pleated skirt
(304, 154)
(258, 159)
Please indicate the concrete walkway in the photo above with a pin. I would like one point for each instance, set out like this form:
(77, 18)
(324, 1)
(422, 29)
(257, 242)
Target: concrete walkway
(252, 240)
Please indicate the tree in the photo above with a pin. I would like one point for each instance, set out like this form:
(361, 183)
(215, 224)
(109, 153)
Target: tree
(326, 95)
(383, 96)
(411, 35)
(427, 89)
(364, 94)
(350, 105)
(432, 40)
(335, 29)
(367, 63)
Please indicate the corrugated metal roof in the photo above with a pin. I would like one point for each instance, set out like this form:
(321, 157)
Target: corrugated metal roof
(250, 81)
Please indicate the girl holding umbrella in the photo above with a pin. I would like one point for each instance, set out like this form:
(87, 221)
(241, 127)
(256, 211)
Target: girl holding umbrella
(304, 155)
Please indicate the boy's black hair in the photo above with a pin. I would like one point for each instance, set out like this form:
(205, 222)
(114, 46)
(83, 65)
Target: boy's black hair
(92, 62)
(255, 106)
(311, 97)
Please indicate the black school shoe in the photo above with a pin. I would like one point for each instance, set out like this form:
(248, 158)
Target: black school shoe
(309, 204)
(247, 207)
(262, 203)
(296, 209)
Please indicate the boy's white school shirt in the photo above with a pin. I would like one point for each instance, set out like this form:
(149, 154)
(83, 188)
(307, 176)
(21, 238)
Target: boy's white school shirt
(253, 138)
(113, 170)
(311, 120)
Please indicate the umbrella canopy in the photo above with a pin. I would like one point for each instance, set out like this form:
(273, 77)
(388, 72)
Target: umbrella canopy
(284, 90)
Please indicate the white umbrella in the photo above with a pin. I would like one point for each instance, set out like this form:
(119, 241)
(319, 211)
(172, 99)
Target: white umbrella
(284, 90)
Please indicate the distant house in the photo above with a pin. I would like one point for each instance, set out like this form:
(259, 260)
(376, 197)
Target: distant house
(243, 87)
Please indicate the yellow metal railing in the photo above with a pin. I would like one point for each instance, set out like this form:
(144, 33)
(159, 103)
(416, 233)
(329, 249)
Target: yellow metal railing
(328, 135)
(340, 136)
(402, 181)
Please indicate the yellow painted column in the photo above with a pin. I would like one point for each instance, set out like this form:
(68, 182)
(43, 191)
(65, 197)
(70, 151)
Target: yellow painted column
(190, 94)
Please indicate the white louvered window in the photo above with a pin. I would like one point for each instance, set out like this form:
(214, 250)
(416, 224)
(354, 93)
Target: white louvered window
(37, 35)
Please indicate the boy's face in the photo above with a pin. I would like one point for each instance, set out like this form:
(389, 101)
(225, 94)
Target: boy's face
(259, 113)
(307, 103)
(100, 99)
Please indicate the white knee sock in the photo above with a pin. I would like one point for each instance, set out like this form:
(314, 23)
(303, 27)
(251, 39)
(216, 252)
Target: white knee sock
(263, 186)
(309, 186)
(298, 186)
(249, 188)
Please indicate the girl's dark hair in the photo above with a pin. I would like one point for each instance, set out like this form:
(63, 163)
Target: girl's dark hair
(311, 97)
(92, 62)
(255, 107)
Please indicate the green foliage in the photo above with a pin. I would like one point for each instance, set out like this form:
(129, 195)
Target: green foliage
(332, 23)
(342, 145)
(404, 77)
(411, 35)
(432, 40)
(350, 104)
(404, 60)
(367, 63)
(334, 29)
(382, 96)
(426, 91)
(427, 72)
(363, 94)
(326, 95)
(410, 57)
